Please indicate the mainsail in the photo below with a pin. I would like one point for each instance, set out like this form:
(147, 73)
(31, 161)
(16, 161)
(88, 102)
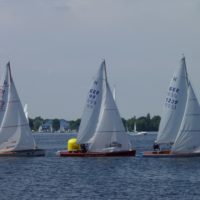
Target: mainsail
(15, 133)
(3, 94)
(91, 111)
(174, 106)
(188, 138)
(110, 132)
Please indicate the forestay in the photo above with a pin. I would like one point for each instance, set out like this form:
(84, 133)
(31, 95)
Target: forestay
(174, 106)
(188, 138)
(15, 133)
(110, 133)
(92, 108)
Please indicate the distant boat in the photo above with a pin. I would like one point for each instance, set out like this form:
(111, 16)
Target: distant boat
(101, 131)
(135, 132)
(180, 125)
(135, 127)
(40, 129)
(15, 135)
(142, 133)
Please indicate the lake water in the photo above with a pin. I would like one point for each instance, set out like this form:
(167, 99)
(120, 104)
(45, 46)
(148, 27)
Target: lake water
(55, 178)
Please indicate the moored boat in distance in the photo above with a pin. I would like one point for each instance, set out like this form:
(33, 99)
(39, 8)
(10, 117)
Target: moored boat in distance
(142, 133)
(101, 132)
(16, 138)
(183, 134)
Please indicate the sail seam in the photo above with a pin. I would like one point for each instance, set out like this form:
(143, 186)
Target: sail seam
(109, 131)
(193, 115)
(15, 126)
(190, 130)
(14, 101)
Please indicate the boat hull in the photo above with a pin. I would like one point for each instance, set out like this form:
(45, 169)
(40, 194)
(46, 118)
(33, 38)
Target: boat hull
(65, 153)
(168, 154)
(24, 153)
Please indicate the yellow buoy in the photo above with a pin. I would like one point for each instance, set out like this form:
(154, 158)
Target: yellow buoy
(72, 145)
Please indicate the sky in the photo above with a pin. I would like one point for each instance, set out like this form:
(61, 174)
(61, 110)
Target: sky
(56, 46)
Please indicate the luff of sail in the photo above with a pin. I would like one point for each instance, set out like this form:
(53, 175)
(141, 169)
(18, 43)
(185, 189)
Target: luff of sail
(114, 93)
(174, 106)
(3, 94)
(188, 138)
(91, 111)
(110, 132)
(26, 111)
(15, 133)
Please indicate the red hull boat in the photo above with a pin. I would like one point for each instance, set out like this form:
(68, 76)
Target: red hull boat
(65, 153)
(168, 154)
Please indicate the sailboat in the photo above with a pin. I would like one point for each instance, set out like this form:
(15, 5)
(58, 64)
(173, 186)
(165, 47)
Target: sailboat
(101, 131)
(180, 127)
(138, 132)
(16, 138)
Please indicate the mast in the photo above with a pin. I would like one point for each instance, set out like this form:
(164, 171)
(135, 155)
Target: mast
(9, 70)
(184, 64)
(105, 70)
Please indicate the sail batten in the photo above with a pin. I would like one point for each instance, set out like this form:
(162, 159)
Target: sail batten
(15, 126)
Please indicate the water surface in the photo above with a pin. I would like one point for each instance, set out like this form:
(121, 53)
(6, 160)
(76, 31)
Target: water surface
(55, 178)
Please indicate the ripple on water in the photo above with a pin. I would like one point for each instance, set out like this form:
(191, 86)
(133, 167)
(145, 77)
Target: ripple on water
(55, 178)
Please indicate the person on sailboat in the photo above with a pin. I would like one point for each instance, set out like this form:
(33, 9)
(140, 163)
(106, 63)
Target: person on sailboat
(156, 146)
(84, 148)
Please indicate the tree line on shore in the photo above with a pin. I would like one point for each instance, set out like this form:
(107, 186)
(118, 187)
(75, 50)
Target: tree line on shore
(144, 123)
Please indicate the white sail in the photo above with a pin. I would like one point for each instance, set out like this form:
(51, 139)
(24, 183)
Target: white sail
(114, 93)
(26, 111)
(3, 94)
(15, 133)
(135, 127)
(110, 132)
(40, 129)
(91, 111)
(174, 106)
(188, 138)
